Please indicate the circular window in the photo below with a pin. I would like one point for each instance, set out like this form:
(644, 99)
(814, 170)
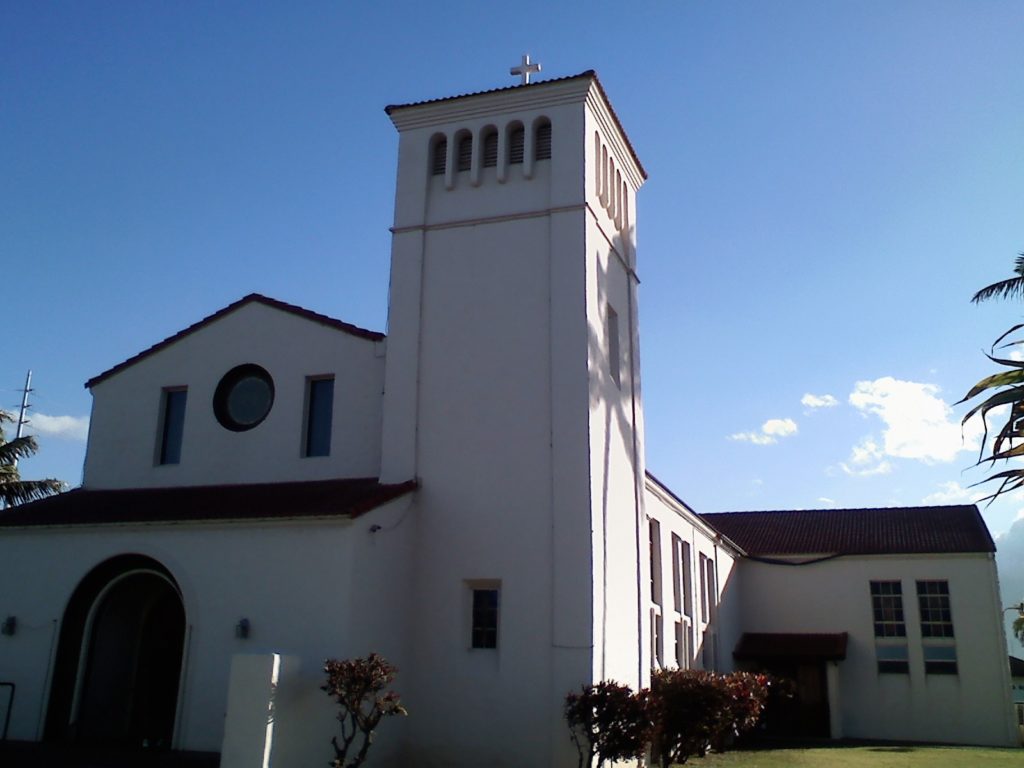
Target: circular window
(243, 398)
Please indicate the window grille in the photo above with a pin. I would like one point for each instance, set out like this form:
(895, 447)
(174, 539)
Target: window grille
(887, 607)
(933, 600)
(542, 142)
(491, 149)
(516, 144)
(440, 158)
(465, 160)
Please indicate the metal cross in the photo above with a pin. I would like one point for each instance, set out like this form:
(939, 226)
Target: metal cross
(525, 69)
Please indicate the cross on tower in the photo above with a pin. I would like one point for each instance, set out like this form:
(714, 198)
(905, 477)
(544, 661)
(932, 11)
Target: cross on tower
(525, 69)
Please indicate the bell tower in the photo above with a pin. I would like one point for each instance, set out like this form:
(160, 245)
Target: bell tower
(512, 393)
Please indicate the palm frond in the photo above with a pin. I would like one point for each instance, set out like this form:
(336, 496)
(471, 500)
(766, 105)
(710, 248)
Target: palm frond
(22, 491)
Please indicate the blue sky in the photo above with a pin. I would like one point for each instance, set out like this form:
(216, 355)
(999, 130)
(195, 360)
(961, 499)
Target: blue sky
(829, 183)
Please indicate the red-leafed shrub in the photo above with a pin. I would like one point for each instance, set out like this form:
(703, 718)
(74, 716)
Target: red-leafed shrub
(689, 709)
(607, 721)
(356, 685)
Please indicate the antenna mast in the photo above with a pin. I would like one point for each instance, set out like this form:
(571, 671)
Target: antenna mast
(22, 421)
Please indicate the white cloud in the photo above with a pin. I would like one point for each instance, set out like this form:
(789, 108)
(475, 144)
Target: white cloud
(881, 468)
(770, 432)
(918, 424)
(826, 500)
(866, 459)
(818, 401)
(63, 427)
(953, 493)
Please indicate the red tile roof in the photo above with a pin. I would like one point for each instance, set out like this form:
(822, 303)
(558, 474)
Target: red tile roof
(756, 646)
(252, 298)
(539, 84)
(895, 530)
(261, 501)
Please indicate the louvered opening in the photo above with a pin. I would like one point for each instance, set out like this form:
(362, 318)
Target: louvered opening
(491, 149)
(516, 142)
(465, 153)
(440, 157)
(542, 142)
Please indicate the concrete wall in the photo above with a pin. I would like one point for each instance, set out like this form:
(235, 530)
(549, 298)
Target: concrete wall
(713, 634)
(971, 707)
(123, 432)
(350, 597)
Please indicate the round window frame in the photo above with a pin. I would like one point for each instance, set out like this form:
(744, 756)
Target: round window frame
(226, 387)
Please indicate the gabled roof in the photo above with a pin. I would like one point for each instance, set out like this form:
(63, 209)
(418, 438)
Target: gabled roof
(260, 501)
(252, 298)
(875, 531)
(591, 74)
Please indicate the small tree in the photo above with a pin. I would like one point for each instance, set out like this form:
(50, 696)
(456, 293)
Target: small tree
(608, 721)
(748, 697)
(1018, 628)
(14, 490)
(356, 686)
(689, 709)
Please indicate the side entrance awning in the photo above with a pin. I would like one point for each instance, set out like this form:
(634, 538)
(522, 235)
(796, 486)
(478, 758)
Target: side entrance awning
(755, 646)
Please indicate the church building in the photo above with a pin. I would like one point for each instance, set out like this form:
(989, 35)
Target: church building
(466, 495)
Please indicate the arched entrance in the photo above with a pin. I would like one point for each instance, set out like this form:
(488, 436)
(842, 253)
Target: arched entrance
(119, 658)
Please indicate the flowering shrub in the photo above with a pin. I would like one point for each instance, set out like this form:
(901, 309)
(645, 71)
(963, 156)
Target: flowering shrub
(608, 721)
(356, 686)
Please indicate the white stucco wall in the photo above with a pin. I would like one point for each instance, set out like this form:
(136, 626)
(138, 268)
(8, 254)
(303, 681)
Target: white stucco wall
(972, 707)
(721, 626)
(123, 432)
(311, 590)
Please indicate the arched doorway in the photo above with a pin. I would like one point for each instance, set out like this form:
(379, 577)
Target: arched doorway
(119, 658)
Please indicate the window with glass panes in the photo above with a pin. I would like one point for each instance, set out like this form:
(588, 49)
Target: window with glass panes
(933, 601)
(887, 607)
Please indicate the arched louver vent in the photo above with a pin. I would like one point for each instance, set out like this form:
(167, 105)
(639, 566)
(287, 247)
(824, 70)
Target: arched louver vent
(465, 153)
(440, 157)
(491, 149)
(542, 144)
(517, 140)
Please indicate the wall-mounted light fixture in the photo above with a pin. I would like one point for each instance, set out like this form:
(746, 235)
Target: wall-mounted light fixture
(9, 626)
(242, 629)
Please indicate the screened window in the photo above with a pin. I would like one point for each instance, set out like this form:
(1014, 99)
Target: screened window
(490, 157)
(542, 142)
(319, 415)
(887, 607)
(516, 145)
(933, 600)
(940, 659)
(172, 428)
(484, 632)
(892, 658)
(440, 157)
(465, 159)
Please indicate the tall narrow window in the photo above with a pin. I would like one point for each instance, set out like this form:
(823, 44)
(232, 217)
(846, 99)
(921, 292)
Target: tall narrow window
(712, 589)
(465, 160)
(687, 568)
(542, 142)
(614, 356)
(516, 145)
(172, 427)
(490, 149)
(319, 415)
(704, 615)
(677, 574)
(933, 600)
(654, 529)
(683, 654)
(440, 157)
(890, 627)
(484, 624)
(657, 640)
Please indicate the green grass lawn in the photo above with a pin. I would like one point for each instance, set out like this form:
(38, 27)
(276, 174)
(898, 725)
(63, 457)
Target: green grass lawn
(889, 756)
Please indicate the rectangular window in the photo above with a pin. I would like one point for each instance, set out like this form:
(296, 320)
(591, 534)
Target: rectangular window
(683, 654)
(704, 589)
(172, 424)
(892, 658)
(887, 608)
(657, 640)
(712, 588)
(319, 414)
(654, 529)
(614, 356)
(677, 574)
(484, 623)
(687, 568)
(933, 600)
(940, 659)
